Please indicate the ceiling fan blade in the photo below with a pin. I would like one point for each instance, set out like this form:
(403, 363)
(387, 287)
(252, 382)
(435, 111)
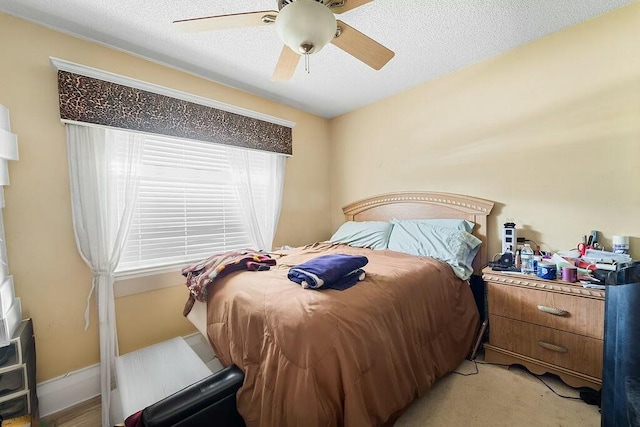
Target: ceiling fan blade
(223, 22)
(362, 47)
(348, 5)
(286, 65)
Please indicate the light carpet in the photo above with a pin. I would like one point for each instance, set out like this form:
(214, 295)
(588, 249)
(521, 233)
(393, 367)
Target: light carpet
(499, 396)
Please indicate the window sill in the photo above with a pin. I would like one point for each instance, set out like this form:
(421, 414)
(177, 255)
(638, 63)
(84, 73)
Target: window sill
(139, 282)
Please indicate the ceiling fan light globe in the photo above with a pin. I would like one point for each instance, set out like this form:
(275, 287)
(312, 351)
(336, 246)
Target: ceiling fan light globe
(306, 22)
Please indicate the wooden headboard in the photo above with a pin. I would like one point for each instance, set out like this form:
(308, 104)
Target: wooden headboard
(426, 205)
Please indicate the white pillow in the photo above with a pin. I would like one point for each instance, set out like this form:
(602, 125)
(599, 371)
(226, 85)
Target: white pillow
(458, 224)
(457, 248)
(365, 234)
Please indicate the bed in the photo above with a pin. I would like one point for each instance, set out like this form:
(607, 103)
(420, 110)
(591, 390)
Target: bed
(354, 357)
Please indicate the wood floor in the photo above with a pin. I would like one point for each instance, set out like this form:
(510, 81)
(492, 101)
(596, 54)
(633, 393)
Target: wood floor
(85, 414)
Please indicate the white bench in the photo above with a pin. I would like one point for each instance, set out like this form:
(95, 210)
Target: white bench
(150, 374)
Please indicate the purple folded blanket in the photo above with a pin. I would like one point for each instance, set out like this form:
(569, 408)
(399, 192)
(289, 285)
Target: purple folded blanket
(337, 271)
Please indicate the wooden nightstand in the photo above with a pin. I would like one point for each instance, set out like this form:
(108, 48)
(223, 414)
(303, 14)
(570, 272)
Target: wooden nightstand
(546, 326)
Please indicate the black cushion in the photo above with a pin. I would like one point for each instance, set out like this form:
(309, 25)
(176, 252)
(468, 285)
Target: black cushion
(209, 402)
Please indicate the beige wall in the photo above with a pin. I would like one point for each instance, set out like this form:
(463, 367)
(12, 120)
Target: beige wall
(50, 277)
(550, 131)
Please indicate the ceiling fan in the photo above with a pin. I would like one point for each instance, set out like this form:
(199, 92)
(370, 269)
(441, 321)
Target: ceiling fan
(305, 27)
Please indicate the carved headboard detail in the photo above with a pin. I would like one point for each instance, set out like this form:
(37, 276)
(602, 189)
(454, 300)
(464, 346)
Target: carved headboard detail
(425, 205)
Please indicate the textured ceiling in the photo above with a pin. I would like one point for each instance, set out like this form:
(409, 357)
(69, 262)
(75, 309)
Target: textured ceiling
(431, 38)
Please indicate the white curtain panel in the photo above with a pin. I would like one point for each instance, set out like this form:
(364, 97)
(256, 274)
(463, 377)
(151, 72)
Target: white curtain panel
(250, 186)
(277, 164)
(101, 226)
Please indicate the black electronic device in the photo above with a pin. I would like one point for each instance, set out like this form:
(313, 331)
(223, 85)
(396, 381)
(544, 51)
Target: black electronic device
(506, 260)
(506, 263)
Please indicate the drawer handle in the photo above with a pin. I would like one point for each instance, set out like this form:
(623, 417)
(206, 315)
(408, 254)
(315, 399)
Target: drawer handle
(553, 347)
(552, 310)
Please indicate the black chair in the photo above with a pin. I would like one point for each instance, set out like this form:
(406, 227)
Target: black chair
(209, 402)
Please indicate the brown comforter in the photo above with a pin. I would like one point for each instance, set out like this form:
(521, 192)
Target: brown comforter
(333, 358)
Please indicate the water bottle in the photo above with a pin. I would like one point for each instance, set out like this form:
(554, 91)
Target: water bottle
(526, 259)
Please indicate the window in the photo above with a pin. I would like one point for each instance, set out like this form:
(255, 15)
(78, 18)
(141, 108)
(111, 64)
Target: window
(188, 205)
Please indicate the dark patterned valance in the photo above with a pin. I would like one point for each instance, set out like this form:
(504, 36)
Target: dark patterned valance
(90, 100)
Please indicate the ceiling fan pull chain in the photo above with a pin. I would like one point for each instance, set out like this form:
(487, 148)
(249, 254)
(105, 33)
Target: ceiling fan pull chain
(306, 63)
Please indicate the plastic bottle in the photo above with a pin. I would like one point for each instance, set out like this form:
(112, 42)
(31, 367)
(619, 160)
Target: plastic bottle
(526, 259)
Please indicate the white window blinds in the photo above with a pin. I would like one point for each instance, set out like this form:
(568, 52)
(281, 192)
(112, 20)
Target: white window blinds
(188, 208)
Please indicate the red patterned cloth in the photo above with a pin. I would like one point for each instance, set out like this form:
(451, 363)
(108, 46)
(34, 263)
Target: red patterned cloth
(200, 276)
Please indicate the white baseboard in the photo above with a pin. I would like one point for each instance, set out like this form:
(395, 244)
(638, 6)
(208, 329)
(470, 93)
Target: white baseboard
(75, 387)
(68, 390)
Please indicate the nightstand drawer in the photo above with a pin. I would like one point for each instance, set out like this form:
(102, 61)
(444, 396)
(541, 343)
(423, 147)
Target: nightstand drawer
(579, 315)
(571, 351)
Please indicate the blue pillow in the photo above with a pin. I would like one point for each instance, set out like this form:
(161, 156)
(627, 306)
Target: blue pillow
(458, 224)
(365, 234)
(457, 248)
